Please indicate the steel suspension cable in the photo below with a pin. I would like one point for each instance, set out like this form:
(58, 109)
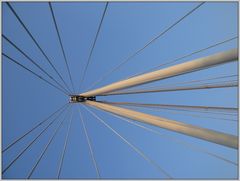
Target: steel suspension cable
(29, 145)
(193, 81)
(189, 145)
(192, 115)
(46, 146)
(33, 62)
(208, 108)
(33, 128)
(185, 56)
(94, 43)
(145, 46)
(89, 143)
(65, 146)
(178, 88)
(207, 112)
(40, 77)
(179, 85)
(157, 106)
(202, 80)
(60, 41)
(187, 110)
(137, 150)
(35, 41)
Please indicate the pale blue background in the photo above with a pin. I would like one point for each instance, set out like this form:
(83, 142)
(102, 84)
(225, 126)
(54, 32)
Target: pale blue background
(126, 28)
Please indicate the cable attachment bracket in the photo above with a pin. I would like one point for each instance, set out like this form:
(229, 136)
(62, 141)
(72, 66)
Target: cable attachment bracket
(77, 98)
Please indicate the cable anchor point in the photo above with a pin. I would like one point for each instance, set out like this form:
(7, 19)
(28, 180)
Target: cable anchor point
(77, 98)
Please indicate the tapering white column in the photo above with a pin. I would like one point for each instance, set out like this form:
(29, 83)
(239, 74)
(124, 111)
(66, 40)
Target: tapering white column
(179, 127)
(178, 69)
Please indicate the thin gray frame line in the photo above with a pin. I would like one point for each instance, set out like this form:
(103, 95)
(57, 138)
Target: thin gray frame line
(194, 147)
(33, 128)
(35, 41)
(93, 46)
(89, 143)
(33, 62)
(61, 44)
(30, 144)
(47, 145)
(65, 146)
(152, 162)
(146, 45)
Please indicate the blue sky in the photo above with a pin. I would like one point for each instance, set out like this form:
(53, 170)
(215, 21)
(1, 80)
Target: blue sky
(127, 26)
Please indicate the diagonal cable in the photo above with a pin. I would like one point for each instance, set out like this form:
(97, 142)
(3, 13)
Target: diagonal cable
(152, 162)
(172, 107)
(188, 82)
(46, 147)
(234, 83)
(186, 110)
(94, 43)
(35, 41)
(89, 144)
(65, 146)
(189, 145)
(29, 145)
(146, 45)
(16, 62)
(185, 56)
(194, 107)
(60, 40)
(32, 129)
(186, 114)
(200, 80)
(33, 62)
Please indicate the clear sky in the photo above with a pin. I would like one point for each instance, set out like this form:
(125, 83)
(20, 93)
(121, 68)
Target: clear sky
(126, 28)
